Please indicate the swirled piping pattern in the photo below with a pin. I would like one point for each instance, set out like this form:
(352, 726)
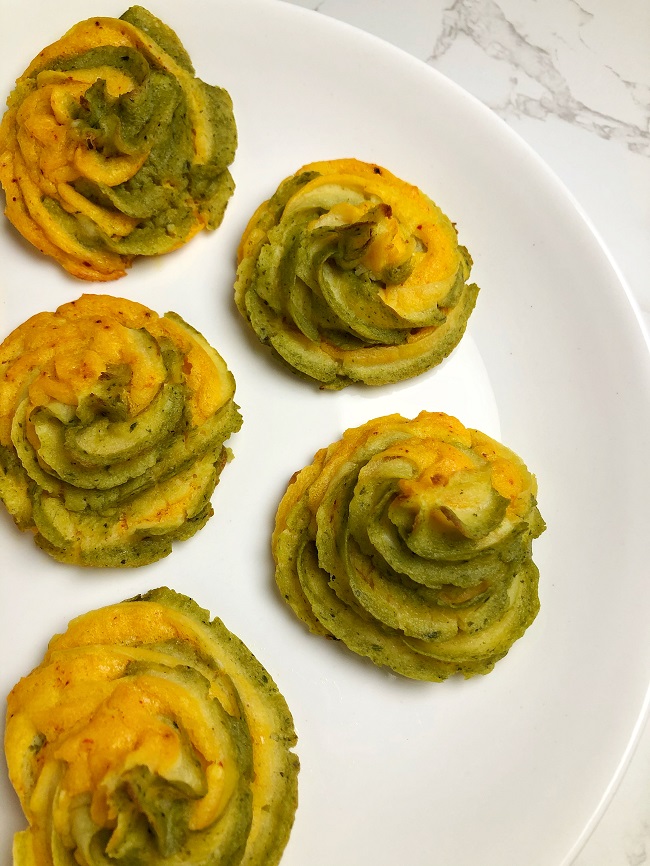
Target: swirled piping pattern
(112, 148)
(350, 274)
(113, 421)
(151, 735)
(411, 542)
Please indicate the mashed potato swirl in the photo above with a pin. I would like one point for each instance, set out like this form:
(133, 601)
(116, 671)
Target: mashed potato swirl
(352, 275)
(112, 148)
(112, 428)
(410, 541)
(151, 735)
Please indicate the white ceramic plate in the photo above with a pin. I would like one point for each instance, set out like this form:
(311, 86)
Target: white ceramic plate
(505, 770)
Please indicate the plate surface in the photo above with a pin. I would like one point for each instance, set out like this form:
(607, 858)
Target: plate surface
(504, 770)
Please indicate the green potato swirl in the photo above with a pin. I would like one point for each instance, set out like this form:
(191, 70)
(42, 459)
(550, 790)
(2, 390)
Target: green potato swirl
(151, 736)
(113, 423)
(410, 541)
(350, 274)
(112, 148)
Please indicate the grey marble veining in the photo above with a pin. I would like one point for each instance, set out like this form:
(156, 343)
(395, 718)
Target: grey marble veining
(544, 59)
(534, 83)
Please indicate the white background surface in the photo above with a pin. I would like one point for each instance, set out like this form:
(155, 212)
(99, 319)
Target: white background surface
(572, 77)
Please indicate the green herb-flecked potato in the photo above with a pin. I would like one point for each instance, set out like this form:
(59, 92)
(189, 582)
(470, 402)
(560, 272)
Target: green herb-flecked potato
(112, 429)
(151, 736)
(410, 541)
(111, 147)
(350, 274)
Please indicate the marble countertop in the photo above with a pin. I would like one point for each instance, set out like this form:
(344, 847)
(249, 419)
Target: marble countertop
(572, 77)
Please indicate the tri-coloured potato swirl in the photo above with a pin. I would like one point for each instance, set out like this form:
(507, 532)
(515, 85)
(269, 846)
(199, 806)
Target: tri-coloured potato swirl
(410, 541)
(353, 275)
(151, 735)
(112, 148)
(112, 428)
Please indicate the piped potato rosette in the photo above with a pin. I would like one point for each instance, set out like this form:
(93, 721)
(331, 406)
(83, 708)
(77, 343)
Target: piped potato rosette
(113, 421)
(352, 275)
(112, 148)
(151, 735)
(410, 541)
